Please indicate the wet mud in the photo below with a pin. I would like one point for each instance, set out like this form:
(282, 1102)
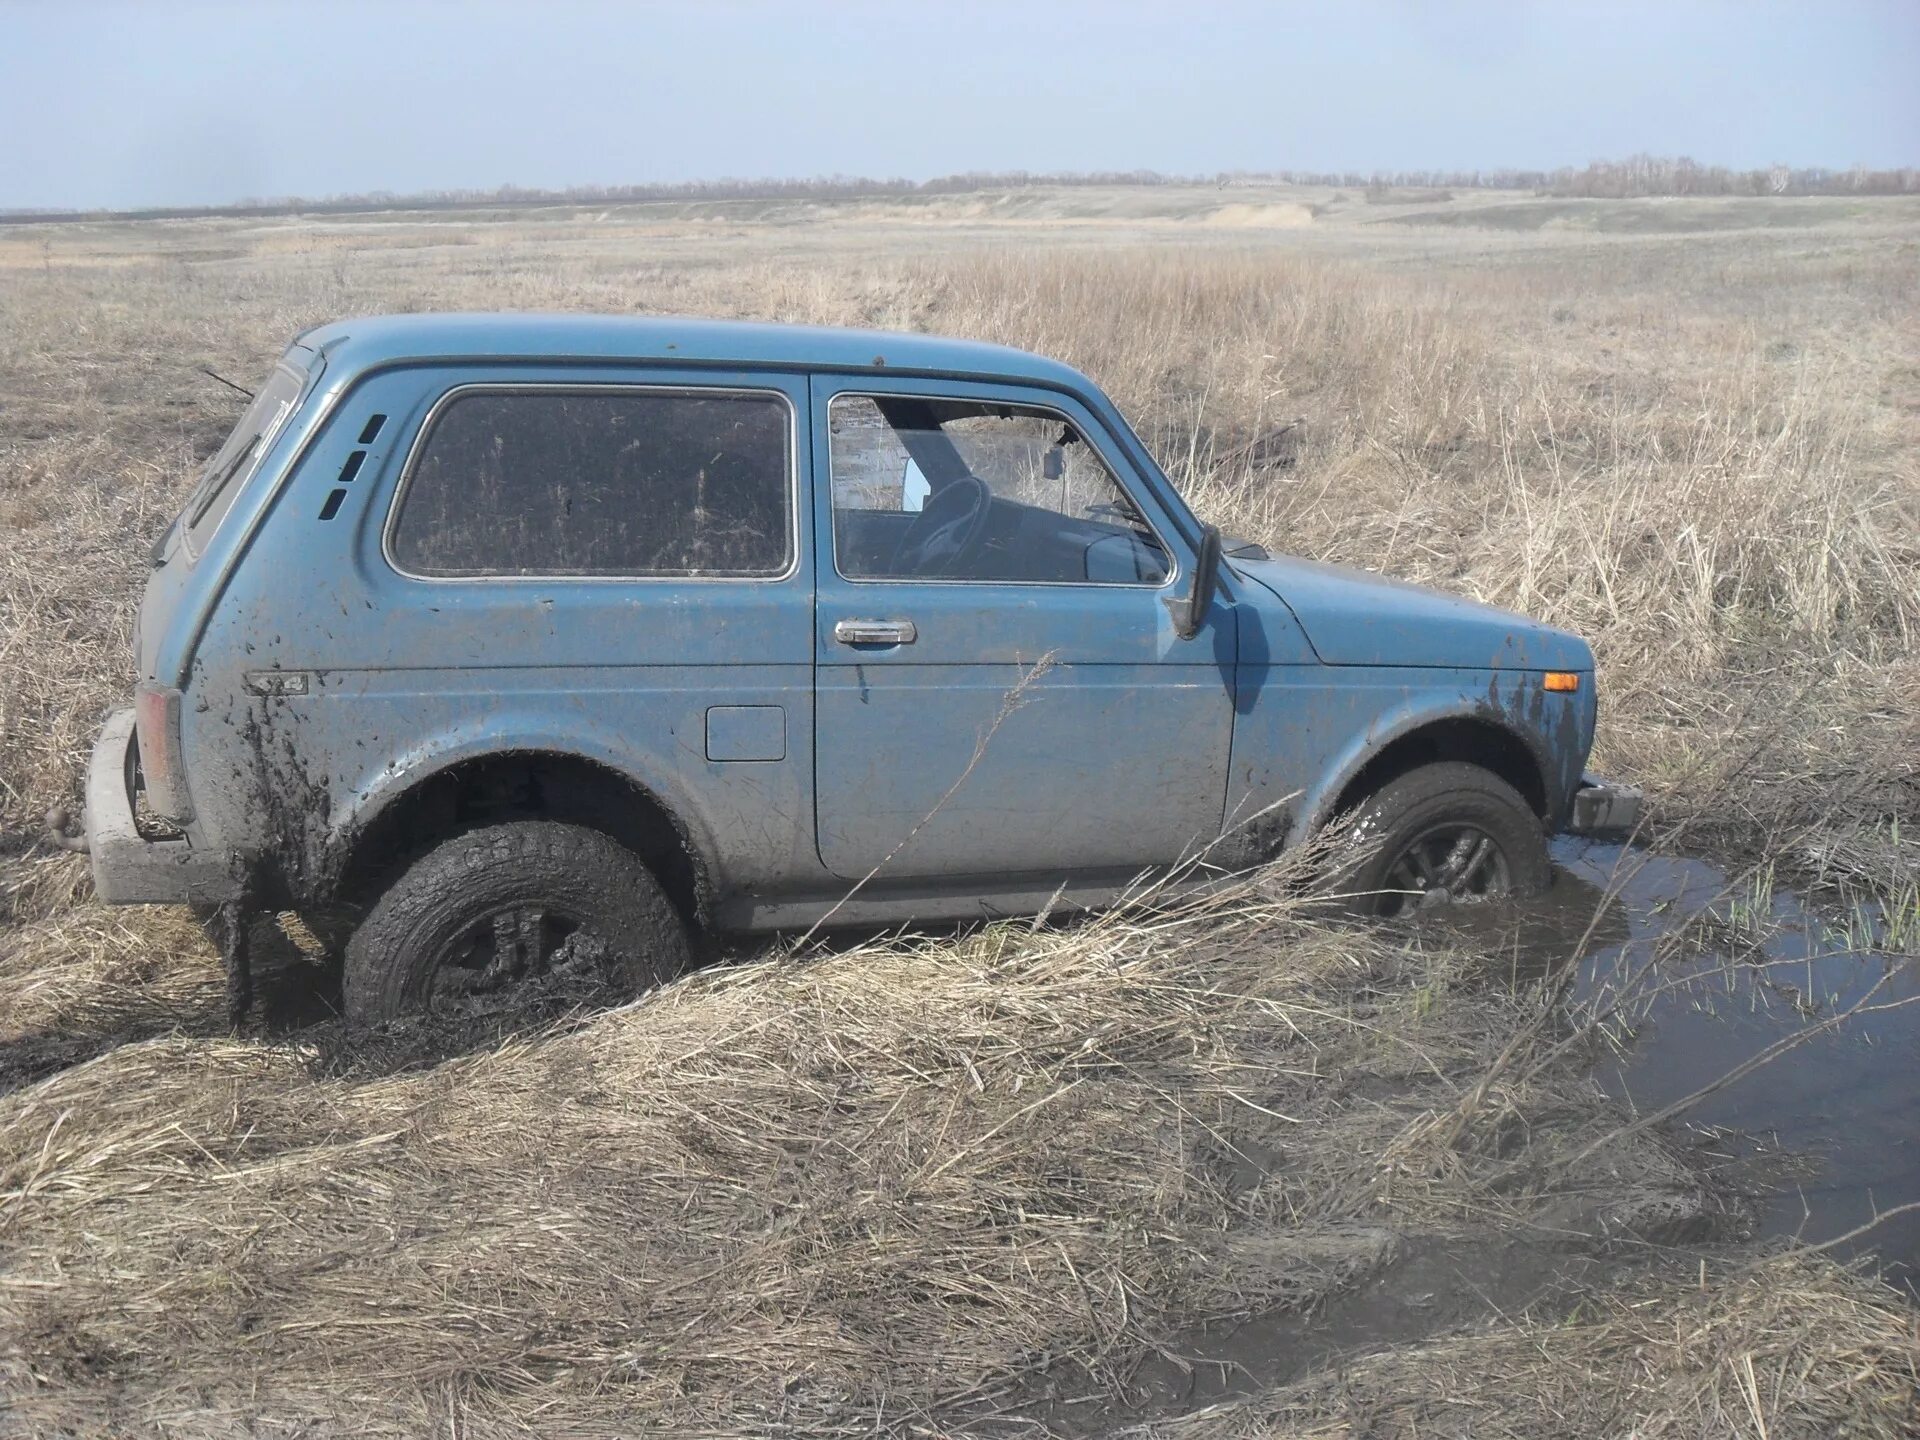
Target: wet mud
(1706, 974)
(31, 1058)
(338, 1049)
(295, 1000)
(1425, 1289)
(1701, 973)
(1824, 1137)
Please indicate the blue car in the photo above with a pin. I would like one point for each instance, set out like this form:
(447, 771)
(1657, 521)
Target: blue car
(533, 642)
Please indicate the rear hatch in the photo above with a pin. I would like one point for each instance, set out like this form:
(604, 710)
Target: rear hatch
(223, 480)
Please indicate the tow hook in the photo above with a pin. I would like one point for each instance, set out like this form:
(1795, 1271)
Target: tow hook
(65, 831)
(1604, 811)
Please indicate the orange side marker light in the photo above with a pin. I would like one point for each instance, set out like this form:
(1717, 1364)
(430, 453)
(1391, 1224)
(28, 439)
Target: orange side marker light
(1564, 681)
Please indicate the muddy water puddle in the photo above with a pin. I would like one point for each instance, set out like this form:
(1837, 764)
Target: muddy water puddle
(1739, 967)
(1428, 1287)
(1702, 975)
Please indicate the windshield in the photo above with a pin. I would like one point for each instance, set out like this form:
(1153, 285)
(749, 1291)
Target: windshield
(234, 461)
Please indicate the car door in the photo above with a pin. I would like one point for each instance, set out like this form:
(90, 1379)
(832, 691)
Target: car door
(1000, 688)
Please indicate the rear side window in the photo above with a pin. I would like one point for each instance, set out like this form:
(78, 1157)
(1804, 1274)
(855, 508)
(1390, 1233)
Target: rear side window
(620, 482)
(235, 461)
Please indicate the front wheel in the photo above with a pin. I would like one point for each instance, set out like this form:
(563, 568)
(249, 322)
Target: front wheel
(1444, 834)
(507, 908)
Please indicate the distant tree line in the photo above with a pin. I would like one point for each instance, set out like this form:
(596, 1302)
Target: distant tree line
(819, 187)
(1638, 175)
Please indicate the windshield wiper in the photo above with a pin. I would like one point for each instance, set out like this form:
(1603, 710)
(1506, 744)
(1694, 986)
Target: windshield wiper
(211, 487)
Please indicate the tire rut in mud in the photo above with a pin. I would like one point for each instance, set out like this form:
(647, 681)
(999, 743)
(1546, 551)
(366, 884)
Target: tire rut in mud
(297, 1004)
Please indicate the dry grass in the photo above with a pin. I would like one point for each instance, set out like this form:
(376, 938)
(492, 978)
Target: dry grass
(860, 1190)
(1738, 536)
(880, 1186)
(1701, 455)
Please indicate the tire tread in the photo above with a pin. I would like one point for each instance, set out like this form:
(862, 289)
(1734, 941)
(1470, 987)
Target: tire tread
(384, 964)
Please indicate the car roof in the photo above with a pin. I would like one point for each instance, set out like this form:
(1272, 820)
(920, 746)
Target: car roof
(369, 342)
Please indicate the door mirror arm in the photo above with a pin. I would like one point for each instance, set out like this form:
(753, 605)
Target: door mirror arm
(1190, 610)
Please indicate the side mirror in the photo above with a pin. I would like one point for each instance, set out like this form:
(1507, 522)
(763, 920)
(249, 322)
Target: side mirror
(1190, 612)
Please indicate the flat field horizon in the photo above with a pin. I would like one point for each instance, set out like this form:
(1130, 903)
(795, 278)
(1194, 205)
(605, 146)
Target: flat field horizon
(1208, 1169)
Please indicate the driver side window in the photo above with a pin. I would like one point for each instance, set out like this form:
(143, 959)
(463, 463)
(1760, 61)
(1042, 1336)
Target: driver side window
(942, 489)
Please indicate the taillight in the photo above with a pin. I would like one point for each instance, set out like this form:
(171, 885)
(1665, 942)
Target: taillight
(156, 720)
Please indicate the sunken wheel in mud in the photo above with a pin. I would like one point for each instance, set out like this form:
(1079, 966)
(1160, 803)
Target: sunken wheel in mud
(498, 913)
(1443, 834)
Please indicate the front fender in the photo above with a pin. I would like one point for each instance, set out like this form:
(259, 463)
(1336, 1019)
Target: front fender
(1305, 732)
(1414, 714)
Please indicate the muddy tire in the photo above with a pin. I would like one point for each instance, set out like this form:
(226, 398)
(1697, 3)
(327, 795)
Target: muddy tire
(511, 908)
(1445, 833)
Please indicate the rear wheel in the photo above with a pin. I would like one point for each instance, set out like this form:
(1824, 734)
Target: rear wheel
(485, 918)
(1449, 833)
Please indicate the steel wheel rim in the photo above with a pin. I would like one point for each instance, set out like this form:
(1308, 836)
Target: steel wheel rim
(506, 945)
(1451, 863)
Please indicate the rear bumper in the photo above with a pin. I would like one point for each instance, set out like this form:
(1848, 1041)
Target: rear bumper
(128, 868)
(1603, 810)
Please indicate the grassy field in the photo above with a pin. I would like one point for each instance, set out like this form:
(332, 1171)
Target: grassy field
(941, 1185)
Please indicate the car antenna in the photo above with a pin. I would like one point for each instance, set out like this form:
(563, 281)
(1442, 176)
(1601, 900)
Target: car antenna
(226, 382)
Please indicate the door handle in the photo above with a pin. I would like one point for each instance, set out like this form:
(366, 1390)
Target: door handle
(875, 632)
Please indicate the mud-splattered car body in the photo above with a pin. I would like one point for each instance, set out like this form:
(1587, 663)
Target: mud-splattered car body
(311, 705)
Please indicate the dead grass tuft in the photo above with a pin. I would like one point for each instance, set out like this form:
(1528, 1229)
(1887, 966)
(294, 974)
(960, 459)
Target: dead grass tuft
(829, 1190)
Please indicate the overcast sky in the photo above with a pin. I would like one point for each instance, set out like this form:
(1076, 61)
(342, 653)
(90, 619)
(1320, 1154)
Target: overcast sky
(125, 104)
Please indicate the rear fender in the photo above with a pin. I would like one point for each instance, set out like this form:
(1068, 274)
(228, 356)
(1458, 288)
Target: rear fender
(358, 807)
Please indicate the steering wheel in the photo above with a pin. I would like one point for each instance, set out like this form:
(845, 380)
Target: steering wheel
(948, 533)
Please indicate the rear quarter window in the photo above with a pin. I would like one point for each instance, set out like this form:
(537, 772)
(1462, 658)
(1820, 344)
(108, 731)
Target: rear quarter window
(632, 482)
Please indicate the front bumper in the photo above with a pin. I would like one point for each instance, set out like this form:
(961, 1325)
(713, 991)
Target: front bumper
(1605, 811)
(128, 868)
